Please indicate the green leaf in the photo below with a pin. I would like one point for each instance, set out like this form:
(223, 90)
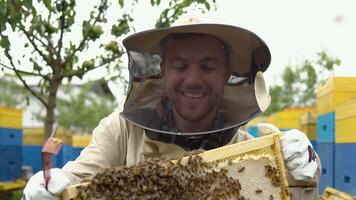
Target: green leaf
(113, 46)
(5, 43)
(88, 64)
(121, 3)
(27, 100)
(50, 29)
(93, 32)
(47, 3)
(36, 67)
(207, 5)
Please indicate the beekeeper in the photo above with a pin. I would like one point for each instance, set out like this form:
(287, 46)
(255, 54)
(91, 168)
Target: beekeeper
(191, 87)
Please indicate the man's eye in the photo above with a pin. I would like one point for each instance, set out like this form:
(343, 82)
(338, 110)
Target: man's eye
(209, 66)
(179, 65)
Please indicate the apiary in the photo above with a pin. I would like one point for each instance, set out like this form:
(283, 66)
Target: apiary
(252, 169)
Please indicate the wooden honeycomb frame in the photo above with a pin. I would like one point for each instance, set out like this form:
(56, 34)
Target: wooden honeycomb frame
(259, 148)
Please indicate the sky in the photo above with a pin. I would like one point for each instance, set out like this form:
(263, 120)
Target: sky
(293, 30)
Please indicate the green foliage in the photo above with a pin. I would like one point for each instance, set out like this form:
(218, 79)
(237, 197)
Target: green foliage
(178, 8)
(88, 64)
(12, 95)
(92, 32)
(47, 25)
(300, 83)
(123, 26)
(82, 111)
(4, 43)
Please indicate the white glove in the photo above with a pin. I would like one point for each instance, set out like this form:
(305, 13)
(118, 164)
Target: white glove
(35, 188)
(298, 153)
(267, 128)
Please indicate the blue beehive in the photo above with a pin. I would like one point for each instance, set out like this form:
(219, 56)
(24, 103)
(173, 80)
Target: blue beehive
(345, 167)
(10, 136)
(64, 155)
(315, 145)
(32, 157)
(76, 152)
(11, 162)
(326, 155)
(326, 127)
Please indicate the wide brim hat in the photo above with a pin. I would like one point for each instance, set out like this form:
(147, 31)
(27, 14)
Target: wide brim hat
(245, 94)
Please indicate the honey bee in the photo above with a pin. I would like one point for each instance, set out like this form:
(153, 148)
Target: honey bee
(258, 191)
(241, 169)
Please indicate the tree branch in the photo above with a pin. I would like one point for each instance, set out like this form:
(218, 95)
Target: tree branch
(60, 41)
(82, 42)
(81, 72)
(43, 44)
(25, 72)
(35, 46)
(51, 50)
(23, 81)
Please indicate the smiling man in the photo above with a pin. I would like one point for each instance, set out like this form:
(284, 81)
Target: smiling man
(190, 87)
(194, 79)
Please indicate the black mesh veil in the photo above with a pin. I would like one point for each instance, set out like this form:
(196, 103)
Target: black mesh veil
(147, 104)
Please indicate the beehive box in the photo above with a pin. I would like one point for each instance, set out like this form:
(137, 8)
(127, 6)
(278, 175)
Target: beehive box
(10, 118)
(345, 122)
(333, 92)
(35, 136)
(81, 140)
(248, 162)
(289, 118)
(308, 125)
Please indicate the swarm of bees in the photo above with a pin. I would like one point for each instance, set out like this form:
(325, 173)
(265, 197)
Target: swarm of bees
(272, 173)
(155, 179)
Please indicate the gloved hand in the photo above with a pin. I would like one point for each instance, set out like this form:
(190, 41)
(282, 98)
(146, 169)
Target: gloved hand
(35, 188)
(267, 128)
(298, 152)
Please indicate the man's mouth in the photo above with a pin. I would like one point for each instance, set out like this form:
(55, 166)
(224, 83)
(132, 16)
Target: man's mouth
(193, 94)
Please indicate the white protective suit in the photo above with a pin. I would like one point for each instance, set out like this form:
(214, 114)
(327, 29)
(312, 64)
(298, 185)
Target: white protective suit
(116, 142)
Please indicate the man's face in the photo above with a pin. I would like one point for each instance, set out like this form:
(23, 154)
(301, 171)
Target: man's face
(194, 72)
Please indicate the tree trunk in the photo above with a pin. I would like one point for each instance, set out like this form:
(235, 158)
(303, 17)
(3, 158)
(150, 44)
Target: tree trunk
(52, 98)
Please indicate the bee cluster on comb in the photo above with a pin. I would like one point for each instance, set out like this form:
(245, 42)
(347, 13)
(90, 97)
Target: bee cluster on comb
(156, 179)
(247, 170)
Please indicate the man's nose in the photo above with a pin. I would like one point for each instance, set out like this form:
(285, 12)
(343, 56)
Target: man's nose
(192, 77)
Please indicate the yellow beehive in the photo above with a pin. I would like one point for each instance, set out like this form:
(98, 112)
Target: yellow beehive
(81, 140)
(35, 136)
(333, 92)
(289, 117)
(345, 121)
(308, 124)
(12, 185)
(10, 117)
